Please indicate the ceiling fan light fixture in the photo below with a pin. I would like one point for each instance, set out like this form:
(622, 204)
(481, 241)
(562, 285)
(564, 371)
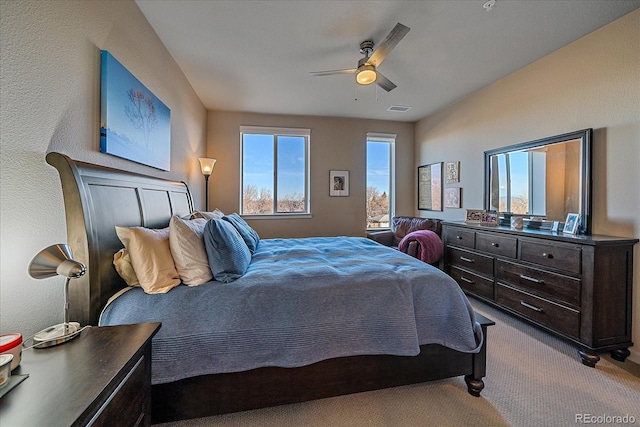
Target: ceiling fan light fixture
(366, 74)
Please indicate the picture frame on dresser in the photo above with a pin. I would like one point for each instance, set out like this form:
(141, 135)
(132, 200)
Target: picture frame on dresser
(473, 216)
(571, 223)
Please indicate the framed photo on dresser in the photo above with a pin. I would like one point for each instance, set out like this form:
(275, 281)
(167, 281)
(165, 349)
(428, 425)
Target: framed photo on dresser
(571, 223)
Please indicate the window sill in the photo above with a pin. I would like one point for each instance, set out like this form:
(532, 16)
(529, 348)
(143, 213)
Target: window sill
(278, 216)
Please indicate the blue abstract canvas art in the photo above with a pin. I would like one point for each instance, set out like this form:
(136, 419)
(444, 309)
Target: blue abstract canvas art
(135, 124)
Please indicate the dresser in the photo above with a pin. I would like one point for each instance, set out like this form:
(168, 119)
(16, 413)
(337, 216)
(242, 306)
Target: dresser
(577, 287)
(102, 377)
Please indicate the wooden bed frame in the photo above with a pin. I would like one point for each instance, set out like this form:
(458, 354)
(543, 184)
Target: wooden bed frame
(98, 198)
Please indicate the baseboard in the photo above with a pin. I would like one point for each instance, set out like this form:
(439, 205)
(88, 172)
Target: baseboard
(628, 365)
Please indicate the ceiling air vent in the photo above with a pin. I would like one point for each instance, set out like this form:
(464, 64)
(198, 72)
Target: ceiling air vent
(399, 108)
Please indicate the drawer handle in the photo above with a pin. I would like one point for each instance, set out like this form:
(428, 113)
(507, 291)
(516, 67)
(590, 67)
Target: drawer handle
(546, 255)
(469, 281)
(495, 245)
(462, 258)
(532, 279)
(459, 237)
(532, 307)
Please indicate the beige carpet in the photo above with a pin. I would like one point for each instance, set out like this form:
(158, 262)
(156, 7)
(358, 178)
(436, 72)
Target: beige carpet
(533, 379)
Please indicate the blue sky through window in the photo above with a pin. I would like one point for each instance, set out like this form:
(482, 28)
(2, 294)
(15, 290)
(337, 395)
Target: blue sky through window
(378, 161)
(259, 163)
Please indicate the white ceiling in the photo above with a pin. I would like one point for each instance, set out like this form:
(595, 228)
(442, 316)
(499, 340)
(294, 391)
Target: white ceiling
(255, 56)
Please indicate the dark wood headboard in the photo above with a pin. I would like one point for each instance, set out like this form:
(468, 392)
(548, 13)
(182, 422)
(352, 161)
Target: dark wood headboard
(96, 199)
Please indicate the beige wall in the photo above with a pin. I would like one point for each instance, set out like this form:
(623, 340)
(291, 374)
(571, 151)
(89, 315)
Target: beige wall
(50, 101)
(336, 143)
(591, 83)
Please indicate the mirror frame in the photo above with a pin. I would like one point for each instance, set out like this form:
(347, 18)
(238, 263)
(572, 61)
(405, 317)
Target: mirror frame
(586, 135)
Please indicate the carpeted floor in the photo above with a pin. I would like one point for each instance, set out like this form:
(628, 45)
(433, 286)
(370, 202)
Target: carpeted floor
(533, 379)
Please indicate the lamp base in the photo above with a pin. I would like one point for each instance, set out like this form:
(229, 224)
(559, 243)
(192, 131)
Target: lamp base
(56, 334)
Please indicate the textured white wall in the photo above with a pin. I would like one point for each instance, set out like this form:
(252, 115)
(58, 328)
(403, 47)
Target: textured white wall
(50, 101)
(591, 83)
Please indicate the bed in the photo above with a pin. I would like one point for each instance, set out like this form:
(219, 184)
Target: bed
(97, 199)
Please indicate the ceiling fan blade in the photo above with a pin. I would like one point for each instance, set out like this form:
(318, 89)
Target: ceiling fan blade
(332, 72)
(384, 82)
(393, 38)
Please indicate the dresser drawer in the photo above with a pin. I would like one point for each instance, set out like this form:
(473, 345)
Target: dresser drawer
(128, 401)
(472, 282)
(565, 257)
(563, 288)
(460, 237)
(543, 311)
(497, 244)
(476, 262)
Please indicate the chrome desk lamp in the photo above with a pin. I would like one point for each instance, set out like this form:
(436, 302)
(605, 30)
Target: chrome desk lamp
(57, 260)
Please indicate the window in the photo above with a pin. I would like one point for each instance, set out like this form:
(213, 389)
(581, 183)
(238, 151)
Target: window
(380, 179)
(275, 171)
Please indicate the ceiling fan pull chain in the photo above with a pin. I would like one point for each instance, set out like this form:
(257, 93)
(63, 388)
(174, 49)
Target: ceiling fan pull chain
(355, 90)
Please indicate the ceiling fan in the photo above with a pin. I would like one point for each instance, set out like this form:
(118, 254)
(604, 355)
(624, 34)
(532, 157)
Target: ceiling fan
(366, 72)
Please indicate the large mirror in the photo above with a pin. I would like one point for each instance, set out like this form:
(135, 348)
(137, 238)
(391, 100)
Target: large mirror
(543, 180)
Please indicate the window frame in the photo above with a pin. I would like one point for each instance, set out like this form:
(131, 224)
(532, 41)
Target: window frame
(388, 138)
(276, 132)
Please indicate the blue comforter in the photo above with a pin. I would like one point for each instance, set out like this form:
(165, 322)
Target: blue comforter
(302, 301)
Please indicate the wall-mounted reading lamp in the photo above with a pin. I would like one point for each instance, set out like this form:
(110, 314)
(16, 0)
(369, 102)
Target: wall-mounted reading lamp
(57, 260)
(206, 166)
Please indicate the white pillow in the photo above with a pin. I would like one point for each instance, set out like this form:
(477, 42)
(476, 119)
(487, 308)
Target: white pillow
(188, 251)
(217, 214)
(151, 257)
(122, 263)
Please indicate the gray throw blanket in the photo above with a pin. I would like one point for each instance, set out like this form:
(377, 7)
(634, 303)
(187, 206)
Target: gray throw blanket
(302, 301)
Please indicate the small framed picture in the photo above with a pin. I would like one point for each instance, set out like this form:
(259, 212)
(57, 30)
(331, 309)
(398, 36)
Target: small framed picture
(473, 216)
(571, 223)
(452, 198)
(453, 172)
(489, 218)
(339, 183)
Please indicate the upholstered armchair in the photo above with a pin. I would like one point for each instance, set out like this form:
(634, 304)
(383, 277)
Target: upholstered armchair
(405, 235)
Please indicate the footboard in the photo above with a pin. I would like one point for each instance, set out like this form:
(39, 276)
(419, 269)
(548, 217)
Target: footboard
(264, 387)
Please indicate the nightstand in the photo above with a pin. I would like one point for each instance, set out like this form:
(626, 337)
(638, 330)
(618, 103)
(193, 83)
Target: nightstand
(102, 377)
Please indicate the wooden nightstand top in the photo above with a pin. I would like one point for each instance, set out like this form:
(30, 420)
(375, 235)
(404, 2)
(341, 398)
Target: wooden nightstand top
(70, 382)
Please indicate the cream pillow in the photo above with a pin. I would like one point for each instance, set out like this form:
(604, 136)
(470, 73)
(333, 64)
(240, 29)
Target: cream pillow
(122, 263)
(151, 257)
(187, 248)
(217, 214)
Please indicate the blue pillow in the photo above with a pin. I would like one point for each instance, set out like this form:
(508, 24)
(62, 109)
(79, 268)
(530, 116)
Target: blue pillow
(228, 255)
(249, 235)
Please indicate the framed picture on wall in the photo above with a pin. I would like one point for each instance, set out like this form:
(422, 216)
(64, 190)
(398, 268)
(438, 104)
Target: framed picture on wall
(134, 123)
(453, 172)
(430, 187)
(452, 198)
(339, 183)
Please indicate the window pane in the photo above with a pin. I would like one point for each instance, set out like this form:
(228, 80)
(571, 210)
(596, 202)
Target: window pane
(257, 173)
(378, 184)
(291, 176)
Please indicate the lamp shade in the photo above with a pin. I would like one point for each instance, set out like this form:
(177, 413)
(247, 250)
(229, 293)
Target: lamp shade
(55, 260)
(206, 165)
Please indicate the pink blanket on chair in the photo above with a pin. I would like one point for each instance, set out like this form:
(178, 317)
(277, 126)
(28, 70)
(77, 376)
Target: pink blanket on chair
(430, 248)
